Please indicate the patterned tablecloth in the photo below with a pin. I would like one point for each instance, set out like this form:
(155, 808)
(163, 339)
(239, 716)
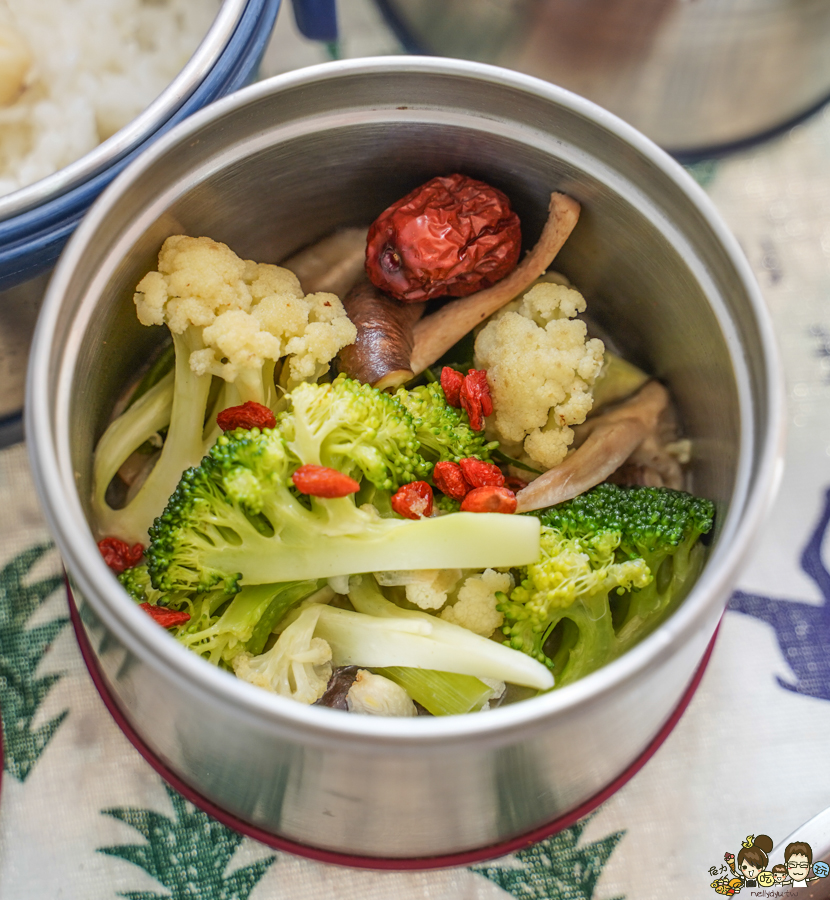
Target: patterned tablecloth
(83, 817)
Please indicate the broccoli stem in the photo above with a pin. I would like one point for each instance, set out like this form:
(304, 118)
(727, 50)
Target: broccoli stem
(441, 693)
(463, 540)
(182, 448)
(381, 634)
(283, 597)
(128, 432)
(161, 366)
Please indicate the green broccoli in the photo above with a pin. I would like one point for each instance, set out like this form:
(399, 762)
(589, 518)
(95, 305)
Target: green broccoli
(614, 561)
(355, 429)
(443, 431)
(222, 624)
(236, 517)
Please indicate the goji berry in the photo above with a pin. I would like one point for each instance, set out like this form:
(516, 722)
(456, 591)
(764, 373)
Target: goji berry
(481, 474)
(489, 499)
(451, 381)
(119, 555)
(515, 484)
(449, 237)
(249, 415)
(413, 500)
(450, 480)
(475, 398)
(167, 618)
(320, 481)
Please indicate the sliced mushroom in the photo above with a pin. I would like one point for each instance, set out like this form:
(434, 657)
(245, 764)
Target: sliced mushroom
(334, 264)
(608, 440)
(380, 354)
(435, 334)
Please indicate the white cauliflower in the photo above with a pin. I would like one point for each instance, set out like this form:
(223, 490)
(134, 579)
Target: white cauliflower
(425, 588)
(252, 315)
(540, 369)
(375, 695)
(475, 608)
(298, 666)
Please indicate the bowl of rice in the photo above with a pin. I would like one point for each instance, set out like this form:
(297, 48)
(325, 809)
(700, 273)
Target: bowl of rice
(84, 87)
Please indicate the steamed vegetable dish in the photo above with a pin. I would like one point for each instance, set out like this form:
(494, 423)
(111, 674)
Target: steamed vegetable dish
(395, 475)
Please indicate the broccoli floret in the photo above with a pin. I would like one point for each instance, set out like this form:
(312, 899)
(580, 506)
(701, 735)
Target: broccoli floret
(236, 517)
(443, 431)
(614, 562)
(222, 625)
(355, 429)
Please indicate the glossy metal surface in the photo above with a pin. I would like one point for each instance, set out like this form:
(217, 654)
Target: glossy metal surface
(690, 75)
(816, 833)
(277, 166)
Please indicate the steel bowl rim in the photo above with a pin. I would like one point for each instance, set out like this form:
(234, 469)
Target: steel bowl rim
(138, 632)
(139, 129)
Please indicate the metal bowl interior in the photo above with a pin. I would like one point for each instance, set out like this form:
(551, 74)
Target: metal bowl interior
(137, 131)
(275, 167)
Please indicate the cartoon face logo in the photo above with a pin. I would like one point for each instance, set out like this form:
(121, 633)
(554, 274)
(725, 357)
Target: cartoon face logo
(798, 866)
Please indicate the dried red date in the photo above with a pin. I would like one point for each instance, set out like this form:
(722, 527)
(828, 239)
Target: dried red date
(450, 237)
(413, 500)
(490, 499)
(249, 415)
(450, 480)
(481, 474)
(119, 555)
(515, 484)
(451, 382)
(320, 481)
(167, 618)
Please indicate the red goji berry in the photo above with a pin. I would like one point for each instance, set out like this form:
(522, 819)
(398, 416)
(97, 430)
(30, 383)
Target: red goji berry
(489, 499)
(475, 398)
(450, 237)
(449, 479)
(167, 618)
(515, 484)
(476, 380)
(481, 474)
(320, 481)
(249, 415)
(451, 382)
(413, 500)
(119, 555)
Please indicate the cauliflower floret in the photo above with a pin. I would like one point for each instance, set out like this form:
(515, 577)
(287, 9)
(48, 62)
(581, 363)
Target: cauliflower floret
(250, 312)
(375, 695)
(425, 588)
(298, 666)
(540, 369)
(475, 608)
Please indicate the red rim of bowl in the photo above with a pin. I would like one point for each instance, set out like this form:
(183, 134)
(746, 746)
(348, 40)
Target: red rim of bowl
(464, 858)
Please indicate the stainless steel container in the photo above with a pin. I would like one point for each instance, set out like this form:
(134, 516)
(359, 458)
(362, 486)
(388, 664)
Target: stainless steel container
(695, 77)
(274, 167)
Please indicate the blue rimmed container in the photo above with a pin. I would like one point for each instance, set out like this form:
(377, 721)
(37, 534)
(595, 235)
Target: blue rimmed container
(36, 221)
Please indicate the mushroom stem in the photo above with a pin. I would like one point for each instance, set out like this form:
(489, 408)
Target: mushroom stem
(333, 264)
(380, 354)
(435, 334)
(611, 438)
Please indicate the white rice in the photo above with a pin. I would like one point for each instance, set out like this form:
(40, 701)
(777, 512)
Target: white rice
(73, 72)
